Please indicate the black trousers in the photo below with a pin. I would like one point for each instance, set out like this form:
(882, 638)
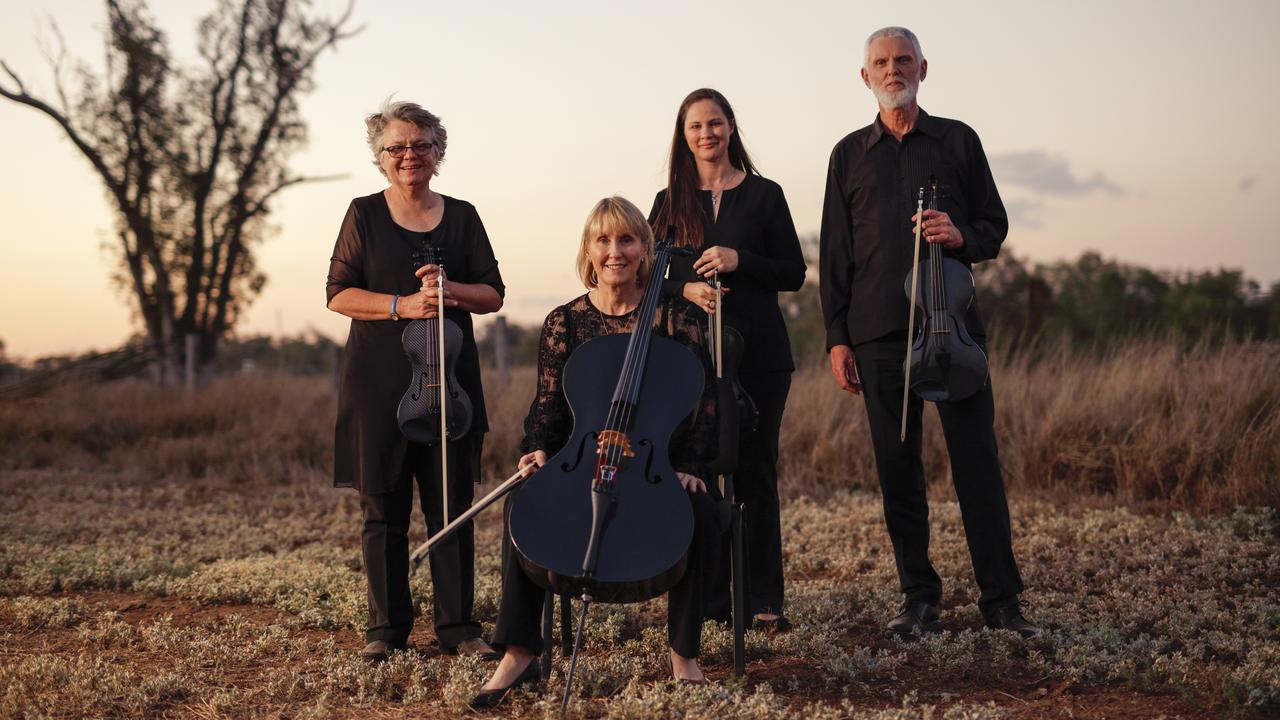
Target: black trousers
(755, 485)
(968, 426)
(385, 545)
(520, 612)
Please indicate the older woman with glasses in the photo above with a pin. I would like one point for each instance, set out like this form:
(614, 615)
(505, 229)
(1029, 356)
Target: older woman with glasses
(375, 280)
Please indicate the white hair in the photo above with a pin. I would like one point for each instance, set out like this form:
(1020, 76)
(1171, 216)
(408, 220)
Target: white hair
(408, 112)
(890, 32)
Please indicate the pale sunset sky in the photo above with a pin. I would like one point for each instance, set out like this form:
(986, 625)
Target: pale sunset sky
(1142, 130)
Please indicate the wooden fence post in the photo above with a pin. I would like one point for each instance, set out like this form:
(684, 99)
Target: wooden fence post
(193, 361)
(502, 348)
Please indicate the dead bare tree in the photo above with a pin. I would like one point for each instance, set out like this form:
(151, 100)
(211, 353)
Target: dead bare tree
(191, 157)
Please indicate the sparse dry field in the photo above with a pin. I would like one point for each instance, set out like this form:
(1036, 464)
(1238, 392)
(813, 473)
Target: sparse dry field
(165, 556)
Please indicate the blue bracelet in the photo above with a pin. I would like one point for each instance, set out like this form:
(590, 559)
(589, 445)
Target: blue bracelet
(394, 299)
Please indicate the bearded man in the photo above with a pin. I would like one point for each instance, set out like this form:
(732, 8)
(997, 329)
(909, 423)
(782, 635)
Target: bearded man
(868, 221)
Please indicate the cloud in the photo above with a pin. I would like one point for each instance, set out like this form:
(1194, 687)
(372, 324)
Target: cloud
(1045, 174)
(1024, 211)
(1247, 183)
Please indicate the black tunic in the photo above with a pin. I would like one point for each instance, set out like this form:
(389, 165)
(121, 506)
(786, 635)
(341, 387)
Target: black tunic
(754, 220)
(374, 253)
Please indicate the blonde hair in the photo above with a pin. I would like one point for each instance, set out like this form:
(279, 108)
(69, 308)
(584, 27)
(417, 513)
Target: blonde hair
(617, 216)
(404, 111)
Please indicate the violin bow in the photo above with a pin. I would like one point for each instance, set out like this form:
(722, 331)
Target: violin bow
(911, 316)
(717, 321)
(717, 338)
(444, 400)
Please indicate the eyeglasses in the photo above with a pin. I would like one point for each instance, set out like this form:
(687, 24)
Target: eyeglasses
(420, 149)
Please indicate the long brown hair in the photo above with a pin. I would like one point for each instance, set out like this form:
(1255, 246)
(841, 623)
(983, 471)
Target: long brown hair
(681, 207)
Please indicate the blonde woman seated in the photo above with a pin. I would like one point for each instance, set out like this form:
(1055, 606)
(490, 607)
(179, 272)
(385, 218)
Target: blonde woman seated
(614, 262)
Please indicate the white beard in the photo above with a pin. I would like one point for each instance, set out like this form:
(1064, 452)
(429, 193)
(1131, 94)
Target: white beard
(896, 99)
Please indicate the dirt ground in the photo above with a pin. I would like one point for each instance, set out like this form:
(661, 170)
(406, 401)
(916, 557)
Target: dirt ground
(1019, 695)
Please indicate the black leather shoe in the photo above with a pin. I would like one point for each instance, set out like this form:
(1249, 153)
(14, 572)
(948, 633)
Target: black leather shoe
(475, 646)
(1009, 617)
(377, 651)
(916, 615)
(492, 698)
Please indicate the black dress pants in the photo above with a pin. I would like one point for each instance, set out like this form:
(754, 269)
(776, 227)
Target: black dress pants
(385, 545)
(520, 612)
(755, 485)
(968, 426)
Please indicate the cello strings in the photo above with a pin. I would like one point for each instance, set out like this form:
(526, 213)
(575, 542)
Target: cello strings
(635, 349)
(633, 368)
(617, 413)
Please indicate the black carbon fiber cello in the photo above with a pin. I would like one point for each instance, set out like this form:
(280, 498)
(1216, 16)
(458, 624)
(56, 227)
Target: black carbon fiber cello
(606, 518)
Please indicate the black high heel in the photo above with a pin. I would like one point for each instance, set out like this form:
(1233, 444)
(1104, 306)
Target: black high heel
(532, 673)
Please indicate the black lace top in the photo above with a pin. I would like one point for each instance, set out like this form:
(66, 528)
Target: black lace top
(550, 421)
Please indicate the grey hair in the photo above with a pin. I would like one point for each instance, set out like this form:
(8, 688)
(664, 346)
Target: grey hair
(890, 32)
(408, 112)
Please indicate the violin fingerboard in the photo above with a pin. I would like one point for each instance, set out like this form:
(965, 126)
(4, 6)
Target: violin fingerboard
(427, 254)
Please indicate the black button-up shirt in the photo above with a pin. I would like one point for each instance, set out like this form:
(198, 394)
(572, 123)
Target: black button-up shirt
(867, 233)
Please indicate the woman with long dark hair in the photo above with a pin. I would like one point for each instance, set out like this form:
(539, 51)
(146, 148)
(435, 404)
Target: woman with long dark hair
(740, 228)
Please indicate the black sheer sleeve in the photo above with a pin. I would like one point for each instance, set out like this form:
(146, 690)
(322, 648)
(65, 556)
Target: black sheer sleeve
(482, 265)
(346, 267)
(549, 421)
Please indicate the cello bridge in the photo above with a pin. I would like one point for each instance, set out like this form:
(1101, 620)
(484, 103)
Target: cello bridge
(610, 439)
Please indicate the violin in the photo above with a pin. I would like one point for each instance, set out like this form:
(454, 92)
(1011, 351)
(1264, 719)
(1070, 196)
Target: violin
(606, 516)
(943, 361)
(738, 414)
(434, 409)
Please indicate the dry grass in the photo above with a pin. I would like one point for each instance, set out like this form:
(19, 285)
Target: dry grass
(1148, 425)
(185, 557)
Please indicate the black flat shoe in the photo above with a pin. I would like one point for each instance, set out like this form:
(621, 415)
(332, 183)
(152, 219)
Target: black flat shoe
(492, 698)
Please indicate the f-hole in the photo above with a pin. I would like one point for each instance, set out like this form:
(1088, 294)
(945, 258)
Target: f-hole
(649, 476)
(567, 467)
